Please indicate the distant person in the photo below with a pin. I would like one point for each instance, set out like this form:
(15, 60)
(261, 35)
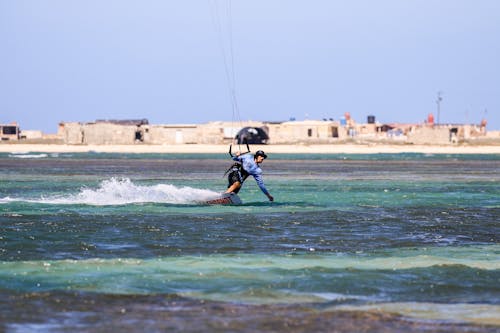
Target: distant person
(245, 166)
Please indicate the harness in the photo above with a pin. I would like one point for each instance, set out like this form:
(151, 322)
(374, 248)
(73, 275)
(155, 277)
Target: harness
(238, 168)
(234, 167)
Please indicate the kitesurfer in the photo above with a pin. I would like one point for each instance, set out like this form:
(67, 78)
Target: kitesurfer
(246, 165)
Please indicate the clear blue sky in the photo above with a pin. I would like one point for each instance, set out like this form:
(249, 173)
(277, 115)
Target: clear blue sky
(78, 60)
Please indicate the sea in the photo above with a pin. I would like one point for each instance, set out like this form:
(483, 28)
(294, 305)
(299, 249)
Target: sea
(96, 242)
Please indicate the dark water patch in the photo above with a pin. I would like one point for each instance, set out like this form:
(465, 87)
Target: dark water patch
(280, 156)
(87, 312)
(112, 167)
(390, 157)
(215, 166)
(70, 235)
(438, 283)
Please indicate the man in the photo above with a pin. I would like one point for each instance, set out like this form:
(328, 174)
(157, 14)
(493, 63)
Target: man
(247, 165)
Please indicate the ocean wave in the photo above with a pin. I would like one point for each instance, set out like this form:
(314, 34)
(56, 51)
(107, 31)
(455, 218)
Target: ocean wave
(330, 280)
(122, 191)
(486, 257)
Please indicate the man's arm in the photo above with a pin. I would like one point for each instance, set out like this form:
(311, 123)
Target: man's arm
(260, 182)
(237, 157)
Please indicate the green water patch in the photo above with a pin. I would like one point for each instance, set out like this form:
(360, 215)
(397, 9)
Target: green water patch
(124, 194)
(452, 274)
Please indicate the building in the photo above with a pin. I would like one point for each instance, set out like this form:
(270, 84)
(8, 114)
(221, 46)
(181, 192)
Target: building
(126, 132)
(9, 132)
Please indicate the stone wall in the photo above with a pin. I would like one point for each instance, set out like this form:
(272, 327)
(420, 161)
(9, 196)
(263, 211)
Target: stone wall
(306, 132)
(105, 134)
(165, 134)
(429, 135)
(31, 134)
(72, 133)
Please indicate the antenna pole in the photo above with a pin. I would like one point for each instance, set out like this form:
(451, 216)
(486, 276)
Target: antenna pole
(438, 102)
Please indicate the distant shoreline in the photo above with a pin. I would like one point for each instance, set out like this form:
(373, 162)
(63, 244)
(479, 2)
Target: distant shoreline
(277, 149)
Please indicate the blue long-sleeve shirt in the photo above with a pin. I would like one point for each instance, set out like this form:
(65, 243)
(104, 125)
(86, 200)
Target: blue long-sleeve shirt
(252, 168)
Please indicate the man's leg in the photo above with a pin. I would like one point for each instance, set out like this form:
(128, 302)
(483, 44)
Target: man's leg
(234, 187)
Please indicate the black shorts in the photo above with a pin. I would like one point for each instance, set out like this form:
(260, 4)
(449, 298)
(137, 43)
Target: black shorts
(236, 175)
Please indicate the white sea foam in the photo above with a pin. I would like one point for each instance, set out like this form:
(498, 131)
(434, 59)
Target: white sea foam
(336, 297)
(6, 200)
(18, 155)
(123, 191)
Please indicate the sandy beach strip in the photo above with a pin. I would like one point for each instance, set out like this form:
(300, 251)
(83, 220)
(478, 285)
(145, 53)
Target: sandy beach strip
(281, 149)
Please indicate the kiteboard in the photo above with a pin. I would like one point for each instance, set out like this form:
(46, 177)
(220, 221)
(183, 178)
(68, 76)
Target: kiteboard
(226, 199)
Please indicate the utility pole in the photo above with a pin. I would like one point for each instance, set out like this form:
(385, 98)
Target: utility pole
(438, 102)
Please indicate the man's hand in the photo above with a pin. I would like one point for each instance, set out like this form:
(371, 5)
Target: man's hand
(271, 198)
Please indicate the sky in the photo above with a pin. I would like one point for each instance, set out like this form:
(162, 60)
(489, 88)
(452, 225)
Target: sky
(166, 61)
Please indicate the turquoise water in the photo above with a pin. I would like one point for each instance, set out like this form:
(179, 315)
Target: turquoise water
(394, 232)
